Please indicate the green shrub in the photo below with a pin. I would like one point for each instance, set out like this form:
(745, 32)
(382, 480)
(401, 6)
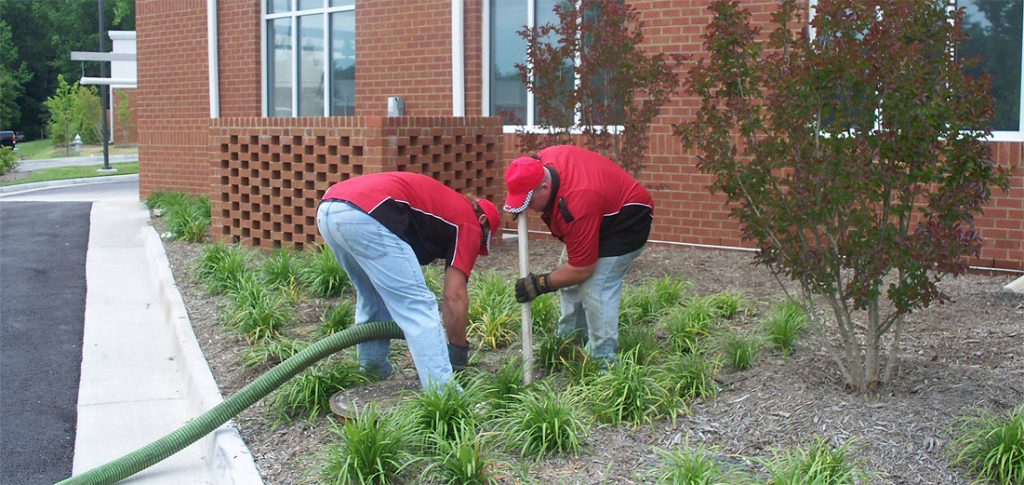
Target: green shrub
(739, 351)
(626, 392)
(693, 466)
(272, 351)
(371, 448)
(644, 304)
(991, 445)
(725, 305)
(257, 312)
(639, 340)
(544, 422)
(189, 220)
(221, 268)
(444, 411)
(818, 463)
(501, 387)
(322, 274)
(433, 275)
(784, 324)
(545, 311)
(689, 376)
(281, 268)
(163, 199)
(554, 351)
(463, 459)
(8, 160)
(337, 318)
(308, 394)
(493, 315)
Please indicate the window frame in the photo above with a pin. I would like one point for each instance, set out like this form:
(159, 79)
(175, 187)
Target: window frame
(995, 136)
(485, 103)
(294, 14)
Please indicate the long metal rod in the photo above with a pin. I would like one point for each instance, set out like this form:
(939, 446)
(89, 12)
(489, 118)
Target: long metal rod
(524, 269)
(104, 98)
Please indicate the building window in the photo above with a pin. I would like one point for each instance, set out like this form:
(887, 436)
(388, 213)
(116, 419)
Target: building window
(994, 35)
(505, 95)
(317, 78)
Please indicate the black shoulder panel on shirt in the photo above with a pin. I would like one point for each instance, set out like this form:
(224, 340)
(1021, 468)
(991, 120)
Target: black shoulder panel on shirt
(563, 207)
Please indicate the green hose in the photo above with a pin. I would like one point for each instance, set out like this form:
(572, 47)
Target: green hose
(174, 442)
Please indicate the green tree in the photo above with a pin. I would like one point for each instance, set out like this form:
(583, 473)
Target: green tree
(612, 84)
(64, 118)
(13, 77)
(88, 114)
(855, 160)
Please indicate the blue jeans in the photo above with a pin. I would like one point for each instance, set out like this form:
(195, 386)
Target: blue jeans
(591, 308)
(389, 286)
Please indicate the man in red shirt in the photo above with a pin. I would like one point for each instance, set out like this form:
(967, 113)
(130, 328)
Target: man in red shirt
(382, 228)
(603, 216)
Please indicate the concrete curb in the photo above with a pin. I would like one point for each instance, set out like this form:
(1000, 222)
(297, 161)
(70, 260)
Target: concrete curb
(231, 461)
(1016, 286)
(21, 188)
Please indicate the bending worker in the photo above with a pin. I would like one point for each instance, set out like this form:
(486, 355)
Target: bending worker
(382, 227)
(603, 216)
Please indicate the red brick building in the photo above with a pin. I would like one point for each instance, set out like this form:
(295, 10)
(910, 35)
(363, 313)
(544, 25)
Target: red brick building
(227, 106)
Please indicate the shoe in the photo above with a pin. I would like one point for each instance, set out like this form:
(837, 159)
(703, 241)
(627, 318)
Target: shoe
(459, 357)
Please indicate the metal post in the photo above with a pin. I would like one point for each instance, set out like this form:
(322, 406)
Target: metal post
(103, 95)
(527, 327)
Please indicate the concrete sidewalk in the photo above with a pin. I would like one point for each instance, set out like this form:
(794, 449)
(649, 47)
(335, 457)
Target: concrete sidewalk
(29, 165)
(143, 374)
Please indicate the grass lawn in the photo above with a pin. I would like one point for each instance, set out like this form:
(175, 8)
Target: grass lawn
(44, 149)
(61, 173)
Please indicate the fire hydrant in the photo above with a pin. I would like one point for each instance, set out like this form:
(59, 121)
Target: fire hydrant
(78, 143)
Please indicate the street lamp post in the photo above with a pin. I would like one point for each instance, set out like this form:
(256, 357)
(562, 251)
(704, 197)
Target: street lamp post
(104, 95)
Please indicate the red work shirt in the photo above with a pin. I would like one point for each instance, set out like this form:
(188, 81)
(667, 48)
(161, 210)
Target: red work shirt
(596, 208)
(435, 220)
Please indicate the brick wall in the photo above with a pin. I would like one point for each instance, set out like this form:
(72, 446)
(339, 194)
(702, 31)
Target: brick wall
(238, 53)
(270, 173)
(404, 49)
(173, 99)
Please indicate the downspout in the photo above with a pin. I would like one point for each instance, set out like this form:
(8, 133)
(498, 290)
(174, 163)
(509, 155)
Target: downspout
(458, 59)
(211, 43)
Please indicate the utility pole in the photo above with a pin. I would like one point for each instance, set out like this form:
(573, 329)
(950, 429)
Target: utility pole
(104, 91)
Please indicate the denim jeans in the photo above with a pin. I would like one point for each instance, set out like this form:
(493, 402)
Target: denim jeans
(389, 286)
(591, 308)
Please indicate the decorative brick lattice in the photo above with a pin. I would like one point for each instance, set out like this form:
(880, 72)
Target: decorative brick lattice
(269, 174)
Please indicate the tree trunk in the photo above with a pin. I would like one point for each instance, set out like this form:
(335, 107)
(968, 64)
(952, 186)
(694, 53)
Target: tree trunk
(871, 342)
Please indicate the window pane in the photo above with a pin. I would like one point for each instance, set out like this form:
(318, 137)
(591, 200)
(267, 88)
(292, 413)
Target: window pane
(343, 3)
(994, 30)
(279, 67)
(304, 4)
(311, 65)
(276, 6)
(508, 93)
(558, 112)
(343, 63)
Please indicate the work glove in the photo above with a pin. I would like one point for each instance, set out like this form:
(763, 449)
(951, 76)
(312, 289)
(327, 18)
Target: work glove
(458, 356)
(531, 286)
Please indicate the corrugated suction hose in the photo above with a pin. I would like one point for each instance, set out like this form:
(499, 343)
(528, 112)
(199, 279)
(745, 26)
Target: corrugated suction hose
(174, 442)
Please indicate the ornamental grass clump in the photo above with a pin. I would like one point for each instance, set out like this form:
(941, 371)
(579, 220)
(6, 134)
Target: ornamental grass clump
(688, 465)
(164, 199)
(444, 411)
(189, 219)
(464, 459)
(725, 305)
(257, 312)
(281, 268)
(371, 448)
(818, 463)
(689, 376)
(645, 303)
(639, 341)
(990, 445)
(308, 394)
(688, 325)
(544, 422)
(493, 314)
(626, 392)
(272, 351)
(221, 267)
(322, 274)
(737, 350)
(336, 318)
(501, 388)
(545, 311)
(554, 352)
(784, 324)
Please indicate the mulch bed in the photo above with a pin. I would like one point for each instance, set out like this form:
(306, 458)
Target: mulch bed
(963, 354)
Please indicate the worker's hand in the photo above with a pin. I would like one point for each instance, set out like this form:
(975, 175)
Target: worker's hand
(531, 286)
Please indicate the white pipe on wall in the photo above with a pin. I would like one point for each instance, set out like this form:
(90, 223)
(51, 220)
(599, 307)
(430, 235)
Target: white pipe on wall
(211, 43)
(458, 59)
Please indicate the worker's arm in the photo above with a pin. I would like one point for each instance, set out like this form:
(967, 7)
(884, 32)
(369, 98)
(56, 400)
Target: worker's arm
(568, 275)
(454, 306)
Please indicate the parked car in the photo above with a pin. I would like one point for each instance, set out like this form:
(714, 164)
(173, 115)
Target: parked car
(8, 139)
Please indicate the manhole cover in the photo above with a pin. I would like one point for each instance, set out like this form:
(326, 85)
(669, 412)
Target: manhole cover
(385, 394)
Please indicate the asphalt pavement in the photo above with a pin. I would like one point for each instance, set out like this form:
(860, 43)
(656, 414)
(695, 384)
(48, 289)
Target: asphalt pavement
(42, 286)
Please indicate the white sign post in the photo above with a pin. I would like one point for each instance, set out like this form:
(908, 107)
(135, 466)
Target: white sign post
(524, 269)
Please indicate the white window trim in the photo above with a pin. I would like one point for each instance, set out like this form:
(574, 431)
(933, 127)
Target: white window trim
(293, 15)
(485, 102)
(996, 136)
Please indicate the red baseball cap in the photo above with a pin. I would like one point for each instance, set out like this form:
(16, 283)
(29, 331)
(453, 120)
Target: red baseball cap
(522, 176)
(493, 219)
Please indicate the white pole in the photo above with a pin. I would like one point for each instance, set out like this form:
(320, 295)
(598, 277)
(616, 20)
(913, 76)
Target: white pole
(524, 269)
